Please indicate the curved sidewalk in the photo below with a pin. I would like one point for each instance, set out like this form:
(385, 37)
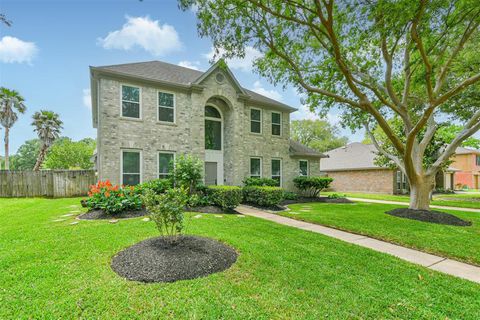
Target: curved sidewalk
(448, 266)
(406, 204)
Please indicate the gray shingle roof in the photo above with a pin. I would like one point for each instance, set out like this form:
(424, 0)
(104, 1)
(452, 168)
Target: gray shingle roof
(171, 73)
(298, 149)
(353, 156)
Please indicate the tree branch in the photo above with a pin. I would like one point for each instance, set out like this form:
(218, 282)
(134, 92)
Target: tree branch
(395, 159)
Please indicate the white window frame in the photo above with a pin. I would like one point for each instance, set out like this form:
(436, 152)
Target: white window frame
(139, 101)
(250, 167)
(281, 170)
(280, 124)
(121, 164)
(158, 161)
(174, 107)
(261, 120)
(221, 126)
(308, 167)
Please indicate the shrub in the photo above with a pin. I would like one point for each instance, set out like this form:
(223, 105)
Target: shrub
(112, 199)
(226, 197)
(263, 196)
(166, 210)
(336, 196)
(157, 185)
(261, 182)
(199, 200)
(287, 195)
(312, 186)
(187, 172)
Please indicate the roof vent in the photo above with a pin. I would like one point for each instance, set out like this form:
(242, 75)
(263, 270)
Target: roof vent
(220, 77)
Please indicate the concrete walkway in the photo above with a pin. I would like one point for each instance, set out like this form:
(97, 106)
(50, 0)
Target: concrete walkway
(406, 204)
(448, 266)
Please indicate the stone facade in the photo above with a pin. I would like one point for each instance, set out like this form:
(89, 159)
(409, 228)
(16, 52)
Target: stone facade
(366, 181)
(186, 134)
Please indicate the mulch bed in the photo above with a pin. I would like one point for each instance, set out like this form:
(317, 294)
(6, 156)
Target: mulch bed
(318, 199)
(160, 260)
(208, 209)
(101, 215)
(429, 216)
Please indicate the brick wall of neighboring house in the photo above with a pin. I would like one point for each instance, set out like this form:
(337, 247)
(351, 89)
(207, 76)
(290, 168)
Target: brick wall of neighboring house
(468, 174)
(367, 181)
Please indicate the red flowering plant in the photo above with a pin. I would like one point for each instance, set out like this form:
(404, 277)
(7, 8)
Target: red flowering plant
(112, 199)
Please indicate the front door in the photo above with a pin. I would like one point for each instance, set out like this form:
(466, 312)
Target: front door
(210, 173)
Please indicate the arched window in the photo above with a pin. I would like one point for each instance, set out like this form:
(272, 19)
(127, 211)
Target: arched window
(213, 129)
(212, 112)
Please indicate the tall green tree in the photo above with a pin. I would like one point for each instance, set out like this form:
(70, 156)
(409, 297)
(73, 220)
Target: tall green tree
(26, 155)
(68, 154)
(317, 134)
(371, 59)
(11, 102)
(47, 125)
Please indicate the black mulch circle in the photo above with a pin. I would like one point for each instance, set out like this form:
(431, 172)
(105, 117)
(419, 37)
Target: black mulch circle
(158, 260)
(100, 214)
(429, 216)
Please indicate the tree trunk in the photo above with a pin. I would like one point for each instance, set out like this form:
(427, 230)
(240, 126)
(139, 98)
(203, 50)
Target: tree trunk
(420, 194)
(40, 159)
(7, 162)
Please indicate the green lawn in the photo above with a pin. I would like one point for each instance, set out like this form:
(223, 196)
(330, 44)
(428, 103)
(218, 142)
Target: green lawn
(461, 243)
(54, 270)
(448, 200)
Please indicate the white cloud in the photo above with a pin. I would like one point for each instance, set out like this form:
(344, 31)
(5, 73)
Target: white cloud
(87, 98)
(15, 50)
(195, 65)
(245, 64)
(272, 94)
(150, 35)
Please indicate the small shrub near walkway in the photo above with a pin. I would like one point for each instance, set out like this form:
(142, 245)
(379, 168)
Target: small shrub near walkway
(226, 197)
(263, 196)
(312, 186)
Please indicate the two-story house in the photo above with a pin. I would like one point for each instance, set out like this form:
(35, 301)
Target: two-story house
(467, 161)
(147, 113)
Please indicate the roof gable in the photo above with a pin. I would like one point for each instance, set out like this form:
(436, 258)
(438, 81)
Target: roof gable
(221, 65)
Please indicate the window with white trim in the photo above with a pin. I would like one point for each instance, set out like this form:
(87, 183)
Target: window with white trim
(276, 123)
(130, 102)
(165, 163)
(166, 107)
(303, 167)
(255, 120)
(255, 167)
(277, 171)
(131, 167)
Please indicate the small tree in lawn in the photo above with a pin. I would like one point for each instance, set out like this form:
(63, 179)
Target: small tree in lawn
(373, 60)
(167, 211)
(11, 102)
(47, 126)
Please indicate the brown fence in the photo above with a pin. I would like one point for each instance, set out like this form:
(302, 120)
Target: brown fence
(54, 183)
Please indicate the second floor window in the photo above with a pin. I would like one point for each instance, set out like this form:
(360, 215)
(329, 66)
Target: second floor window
(276, 123)
(255, 120)
(166, 107)
(130, 102)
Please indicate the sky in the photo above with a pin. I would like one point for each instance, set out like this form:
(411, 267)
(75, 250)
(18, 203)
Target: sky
(46, 53)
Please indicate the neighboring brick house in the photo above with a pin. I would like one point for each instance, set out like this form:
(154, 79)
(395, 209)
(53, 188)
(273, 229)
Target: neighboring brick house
(353, 169)
(467, 161)
(147, 113)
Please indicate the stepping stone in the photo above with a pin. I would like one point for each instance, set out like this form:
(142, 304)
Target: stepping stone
(73, 223)
(240, 216)
(58, 220)
(74, 206)
(68, 215)
(197, 216)
(75, 211)
(146, 219)
(292, 212)
(304, 210)
(218, 216)
(113, 221)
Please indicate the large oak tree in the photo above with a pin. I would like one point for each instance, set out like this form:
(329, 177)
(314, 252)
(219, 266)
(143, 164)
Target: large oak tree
(374, 59)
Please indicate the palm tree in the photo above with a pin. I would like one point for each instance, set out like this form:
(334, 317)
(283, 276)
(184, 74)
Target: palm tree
(47, 126)
(10, 103)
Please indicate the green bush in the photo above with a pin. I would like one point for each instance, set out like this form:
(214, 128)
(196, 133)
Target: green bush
(312, 186)
(261, 182)
(263, 196)
(290, 195)
(336, 196)
(187, 172)
(167, 210)
(226, 197)
(112, 199)
(157, 185)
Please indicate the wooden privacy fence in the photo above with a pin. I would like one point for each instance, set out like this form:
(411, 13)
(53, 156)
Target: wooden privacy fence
(51, 183)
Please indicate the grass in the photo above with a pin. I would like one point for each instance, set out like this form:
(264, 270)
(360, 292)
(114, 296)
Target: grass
(54, 270)
(449, 200)
(460, 243)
